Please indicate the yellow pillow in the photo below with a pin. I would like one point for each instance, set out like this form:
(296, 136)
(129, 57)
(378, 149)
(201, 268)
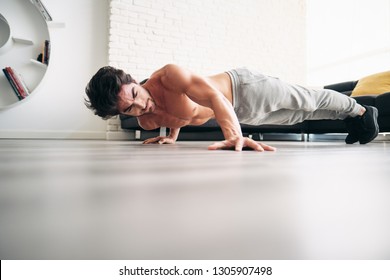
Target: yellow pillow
(373, 84)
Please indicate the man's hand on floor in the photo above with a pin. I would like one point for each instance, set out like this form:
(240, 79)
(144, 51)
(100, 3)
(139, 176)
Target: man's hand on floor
(238, 143)
(160, 140)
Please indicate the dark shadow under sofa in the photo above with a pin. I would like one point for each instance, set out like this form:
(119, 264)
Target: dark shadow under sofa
(211, 131)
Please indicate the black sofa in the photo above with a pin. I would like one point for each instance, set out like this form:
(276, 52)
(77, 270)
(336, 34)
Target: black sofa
(211, 131)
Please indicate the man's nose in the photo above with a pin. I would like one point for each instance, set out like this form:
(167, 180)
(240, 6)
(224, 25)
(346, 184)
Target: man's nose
(139, 104)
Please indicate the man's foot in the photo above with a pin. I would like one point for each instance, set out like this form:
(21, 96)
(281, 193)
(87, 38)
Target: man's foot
(367, 125)
(362, 128)
(353, 134)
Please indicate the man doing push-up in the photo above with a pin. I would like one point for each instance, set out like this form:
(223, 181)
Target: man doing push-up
(174, 97)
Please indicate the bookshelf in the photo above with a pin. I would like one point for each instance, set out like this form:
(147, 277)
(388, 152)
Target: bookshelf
(23, 32)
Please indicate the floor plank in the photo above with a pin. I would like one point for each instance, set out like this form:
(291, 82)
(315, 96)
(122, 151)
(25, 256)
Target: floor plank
(74, 199)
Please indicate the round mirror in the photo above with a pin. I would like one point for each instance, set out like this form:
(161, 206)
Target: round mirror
(5, 35)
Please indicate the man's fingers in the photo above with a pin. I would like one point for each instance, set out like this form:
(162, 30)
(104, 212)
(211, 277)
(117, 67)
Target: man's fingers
(257, 146)
(239, 144)
(218, 145)
(152, 140)
(267, 148)
(148, 141)
(159, 140)
(166, 141)
(253, 145)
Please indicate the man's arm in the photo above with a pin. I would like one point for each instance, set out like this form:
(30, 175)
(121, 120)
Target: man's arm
(202, 92)
(150, 125)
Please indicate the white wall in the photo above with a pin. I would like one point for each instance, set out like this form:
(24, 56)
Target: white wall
(347, 40)
(205, 36)
(209, 36)
(56, 109)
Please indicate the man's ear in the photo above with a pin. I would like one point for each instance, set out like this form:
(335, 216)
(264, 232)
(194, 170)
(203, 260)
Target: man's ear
(143, 81)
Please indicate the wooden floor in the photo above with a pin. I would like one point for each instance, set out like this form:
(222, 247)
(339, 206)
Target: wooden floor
(68, 199)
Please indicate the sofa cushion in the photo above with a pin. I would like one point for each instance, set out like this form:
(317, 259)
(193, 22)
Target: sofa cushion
(345, 87)
(325, 126)
(373, 84)
(382, 103)
(131, 123)
(128, 122)
(369, 100)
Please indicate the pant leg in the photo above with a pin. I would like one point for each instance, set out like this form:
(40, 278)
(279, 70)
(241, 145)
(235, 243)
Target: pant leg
(261, 99)
(299, 104)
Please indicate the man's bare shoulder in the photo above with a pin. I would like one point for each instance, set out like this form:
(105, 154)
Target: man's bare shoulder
(168, 69)
(169, 79)
(173, 77)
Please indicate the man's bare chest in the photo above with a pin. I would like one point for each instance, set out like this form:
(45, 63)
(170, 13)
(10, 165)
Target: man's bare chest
(173, 110)
(174, 118)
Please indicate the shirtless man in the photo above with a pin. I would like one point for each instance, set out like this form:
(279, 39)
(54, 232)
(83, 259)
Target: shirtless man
(174, 97)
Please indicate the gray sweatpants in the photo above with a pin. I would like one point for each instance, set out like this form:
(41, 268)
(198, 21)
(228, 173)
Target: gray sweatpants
(260, 99)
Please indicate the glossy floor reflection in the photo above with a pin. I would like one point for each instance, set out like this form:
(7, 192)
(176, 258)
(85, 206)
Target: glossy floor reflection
(124, 200)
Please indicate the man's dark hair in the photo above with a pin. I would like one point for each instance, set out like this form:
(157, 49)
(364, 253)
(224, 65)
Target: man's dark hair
(102, 91)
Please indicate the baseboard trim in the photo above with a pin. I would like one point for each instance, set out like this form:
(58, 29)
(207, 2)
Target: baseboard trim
(52, 134)
(383, 137)
(120, 135)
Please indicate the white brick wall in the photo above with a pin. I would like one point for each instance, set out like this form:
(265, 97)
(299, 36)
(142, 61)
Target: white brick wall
(209, 36)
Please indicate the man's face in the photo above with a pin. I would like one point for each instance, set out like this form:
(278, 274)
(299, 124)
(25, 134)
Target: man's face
(134, 100)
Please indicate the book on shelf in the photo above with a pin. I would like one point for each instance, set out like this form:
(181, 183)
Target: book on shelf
(7, 75)
(42, 9)
(23, 84)
(16, 82)
(44, 56)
